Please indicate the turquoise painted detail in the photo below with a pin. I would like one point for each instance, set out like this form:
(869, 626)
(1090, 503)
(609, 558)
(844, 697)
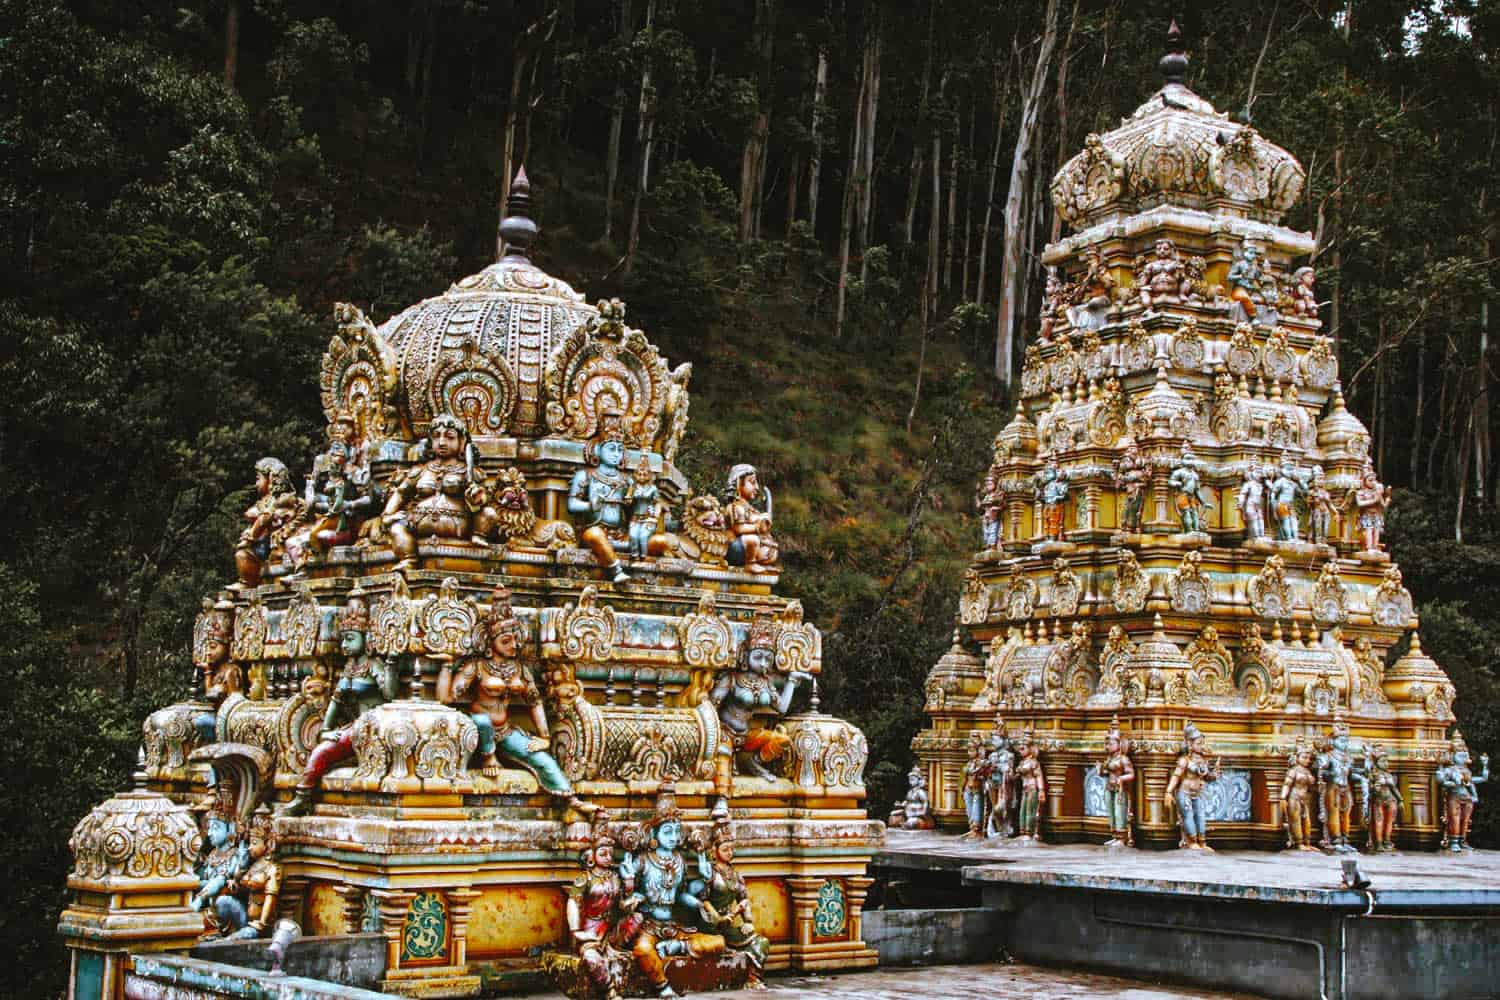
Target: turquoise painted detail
(426, 932)
(830, 915)
(88, 979)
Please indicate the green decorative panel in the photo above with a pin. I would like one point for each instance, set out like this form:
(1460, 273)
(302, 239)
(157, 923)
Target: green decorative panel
(424, 938)
(831, 915)
(88, 976)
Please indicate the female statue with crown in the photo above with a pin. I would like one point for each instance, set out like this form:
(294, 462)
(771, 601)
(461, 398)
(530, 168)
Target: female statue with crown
(743, 693)
(1119, 775)
(725, 905)
(1032, 781)
(752, 545)
(440, 497)
(1297, 792)
(602, 918)
(1385, 802)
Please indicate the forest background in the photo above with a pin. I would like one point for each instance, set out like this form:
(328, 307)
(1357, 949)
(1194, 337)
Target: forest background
(833, 209)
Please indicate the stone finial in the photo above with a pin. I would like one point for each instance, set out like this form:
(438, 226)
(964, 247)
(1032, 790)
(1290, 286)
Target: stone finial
(1173, 64)
(517, 229)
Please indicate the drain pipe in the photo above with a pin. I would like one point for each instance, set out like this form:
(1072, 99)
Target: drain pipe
(1344, 940)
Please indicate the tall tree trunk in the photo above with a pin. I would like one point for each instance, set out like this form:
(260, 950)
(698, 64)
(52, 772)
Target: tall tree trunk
(969, 163)
(867, 186)
(1062, 107)
(1483, 457)
(1020, 171)
(951, 235)
(1002, 92)
(1465, 448)
(645, 130)
(853, 182)
(793, 186)
(231, 42)
(924, 120)
(752, 161)
(616, 125)
(815, 161)
(934, 263)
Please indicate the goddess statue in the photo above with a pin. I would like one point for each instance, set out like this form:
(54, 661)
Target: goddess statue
(1304, 299)
(725, 903)
(1385, 802)
(441, 497)
(1371, 499)
(220, 675)
(1052, 490)
(751, 543)
(1164, 278)
(1253, 502)
(1033, 788)
(745, 696)
(339, 492)
(601, 913)
(1319, 509)
(1187, 480)
(644, 498)
(911, 812)
(1119, 777)
(989, 500)
(228, 853)
(1297, 791)
(273, 516)
(975, 772)
(1131, 476)
(247, 906)
(1459, 785)
(1195, 769)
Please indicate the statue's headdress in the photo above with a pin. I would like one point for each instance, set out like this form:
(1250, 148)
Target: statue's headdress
(738, 472)
(1340, 727)
(215, 624)
(723, 832)
(355, 617)
(666, 806)
(501, 618)
(1121, 739)
(1190, 732)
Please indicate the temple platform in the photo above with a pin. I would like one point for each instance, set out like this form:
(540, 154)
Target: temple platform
(1275, 925)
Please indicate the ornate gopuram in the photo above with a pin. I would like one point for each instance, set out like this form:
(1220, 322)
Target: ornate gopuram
(1181, 525)
(489, 632)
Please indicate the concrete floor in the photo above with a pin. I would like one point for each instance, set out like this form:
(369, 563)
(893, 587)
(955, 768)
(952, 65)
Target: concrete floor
(964, 982)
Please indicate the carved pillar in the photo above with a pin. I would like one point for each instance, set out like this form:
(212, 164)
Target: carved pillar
(353, 899)
(291, 902)
(804, 892)
(1159, 513)
(1013, 519)
(1275, 775)
(393, 904)
(1153, 781)
(460, 905)
(855, 891)
(1056, 770)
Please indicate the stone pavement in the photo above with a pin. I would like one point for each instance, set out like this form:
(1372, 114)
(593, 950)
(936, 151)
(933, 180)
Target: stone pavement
(964, 982)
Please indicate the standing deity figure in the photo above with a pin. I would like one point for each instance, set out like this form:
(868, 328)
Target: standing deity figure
(911, 813)
(644, 498)
(1385, 802)
(1253, 502)
(1319, 509)
(1371, 499)
(1187, 480)
(751, 543)
(338, 492)
(1052, 489)
(488, 684)
(596, 498)
(725, 906)
(220, 676)
(750, 704)
(974, 774)
(1246, 281)
(366, 682)
(248, 905)
(1033, 788)
(273, 516)
(1459, 785)
(1337, 776)
(989, 500)
(1119, 777)
(1000, 784)
(1131, 476)
(1297, 792)
(1163, 278)
(601, 913)
(1093, 294)
(1052, 294)
(661, 888)
(440, 497)
(1284, 491)
(1304, 299)
(1195, 769)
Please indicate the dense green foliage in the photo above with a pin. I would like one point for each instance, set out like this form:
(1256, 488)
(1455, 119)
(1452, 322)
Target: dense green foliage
(174, 242)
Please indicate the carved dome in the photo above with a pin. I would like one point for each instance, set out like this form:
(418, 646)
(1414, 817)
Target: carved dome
(1157, 652)
(1341, 434)
(1176, 148)
(514, 352)
(136, 840)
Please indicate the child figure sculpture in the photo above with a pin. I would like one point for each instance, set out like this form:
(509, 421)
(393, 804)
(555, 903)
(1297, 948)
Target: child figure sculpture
(644, 498)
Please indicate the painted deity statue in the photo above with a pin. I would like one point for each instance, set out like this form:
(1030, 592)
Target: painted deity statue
(1164, 278)
(440, 497)
(724, 905)
(912, 813)
(1246, 281)
(488, 685)
(1187, 480)
(338, 493)
(1283, 491)
(596, 498)
(1371, 499)
(644, 498)
(247, 906)
(1304, 299)
(601, 914)
(989, 500)
(1184, 793)
(1252, 501)
(219, 675)
(1131, 477)
(1459, 785)
(1338, 774)
(974, 774)
(1385, 802)
(1319, 509)
(750, 702)
(1298, 790)
(226, 853)
(751, 543)
(1000, 784)
(662, 888)
(1052, 491)
(270, 520)
(365, 682)
(1119, 778)
(1032, 782)
(1093, 295)
(1052, 295)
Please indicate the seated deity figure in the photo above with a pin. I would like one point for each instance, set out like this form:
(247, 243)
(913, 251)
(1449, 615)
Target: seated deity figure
(1253, 502)
(227, 852)
(1297, 792)
(1164, 278)
(271, 519)
(439, 497)
(247, 906)
(911, 813)
(1184, 793)
(219, 675)
(750, 703)
(1385, 802)
(1246, 281)
(488, 684)
(1371, 499)
(644, 498)
(1459, 785)
(365, 682)
(1119, 777)
(1093, 295)
(601, 912)
(725, 903)
(1131, 477)
(751, 543)
(338, 493)
(596, 498)
(663, 890)
(1304, 299)
(1187, 480)
(1284, 490)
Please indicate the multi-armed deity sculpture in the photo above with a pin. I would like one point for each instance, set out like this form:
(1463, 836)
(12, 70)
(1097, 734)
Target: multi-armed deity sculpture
(1180, 535)
(495, 616)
